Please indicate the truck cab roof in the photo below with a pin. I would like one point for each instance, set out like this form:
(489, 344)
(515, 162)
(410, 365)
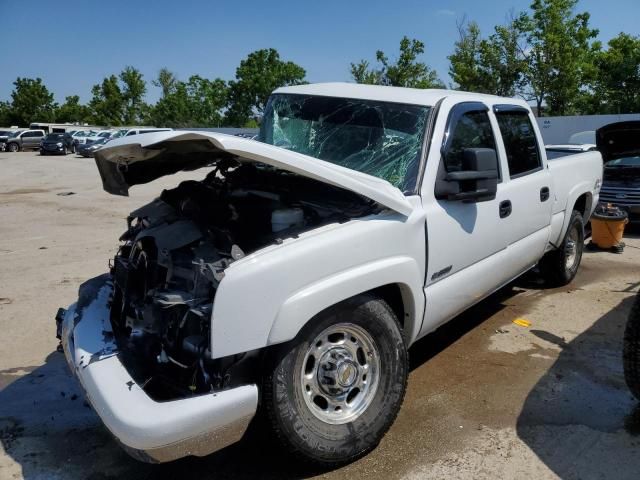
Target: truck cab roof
(412, 96)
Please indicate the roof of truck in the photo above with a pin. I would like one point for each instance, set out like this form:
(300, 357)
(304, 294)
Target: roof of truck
(414, 96)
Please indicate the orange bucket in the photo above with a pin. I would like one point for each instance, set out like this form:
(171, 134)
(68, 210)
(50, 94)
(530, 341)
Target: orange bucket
(607, 226)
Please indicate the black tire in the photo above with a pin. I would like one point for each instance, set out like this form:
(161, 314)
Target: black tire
(64, 150)
(73, 148)
(13, 147)
(299, 429)
(631, 349)
(559, 267)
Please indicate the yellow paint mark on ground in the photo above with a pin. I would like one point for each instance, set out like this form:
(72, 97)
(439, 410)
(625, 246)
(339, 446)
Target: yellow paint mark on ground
(522, 322)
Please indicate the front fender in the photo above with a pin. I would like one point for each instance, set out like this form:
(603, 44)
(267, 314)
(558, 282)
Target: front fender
(268, 296)
(313, 299)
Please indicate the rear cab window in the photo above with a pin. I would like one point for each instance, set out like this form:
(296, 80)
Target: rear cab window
(520, 141)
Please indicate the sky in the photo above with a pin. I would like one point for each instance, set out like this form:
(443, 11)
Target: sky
(74, 44)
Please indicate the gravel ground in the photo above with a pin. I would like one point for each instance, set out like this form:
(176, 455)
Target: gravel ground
(486, 398)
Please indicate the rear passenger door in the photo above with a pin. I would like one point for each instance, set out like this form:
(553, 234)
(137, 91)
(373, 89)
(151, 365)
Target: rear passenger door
(527, 187)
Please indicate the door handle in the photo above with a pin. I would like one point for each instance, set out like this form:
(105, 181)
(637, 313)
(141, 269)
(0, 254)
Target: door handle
(505, 208)
(544, 194)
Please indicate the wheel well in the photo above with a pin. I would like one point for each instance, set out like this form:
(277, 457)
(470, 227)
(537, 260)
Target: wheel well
(393, 296)
(583, 203)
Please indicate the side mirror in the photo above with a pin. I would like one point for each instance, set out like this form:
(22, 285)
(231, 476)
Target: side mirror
(477, 181)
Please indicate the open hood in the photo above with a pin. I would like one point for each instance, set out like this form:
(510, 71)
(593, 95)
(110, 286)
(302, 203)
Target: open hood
(140, 159)
(619, 140)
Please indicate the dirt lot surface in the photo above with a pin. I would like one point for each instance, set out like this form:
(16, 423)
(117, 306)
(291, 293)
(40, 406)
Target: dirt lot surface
(486, 398)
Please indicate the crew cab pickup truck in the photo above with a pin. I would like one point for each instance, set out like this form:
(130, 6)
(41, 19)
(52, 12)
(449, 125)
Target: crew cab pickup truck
(295, 275)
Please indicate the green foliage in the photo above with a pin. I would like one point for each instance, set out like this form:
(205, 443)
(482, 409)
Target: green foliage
(167, 81)
(5, 114)
(71, 111)
(199, 102)
(118, 100)
(30, 101)
(256, 77)
(406, 71)
(107, 104)
(493, 65)
(616, 85)
(133, 89)
(559, 54)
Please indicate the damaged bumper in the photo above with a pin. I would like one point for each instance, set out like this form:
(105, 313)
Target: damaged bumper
(150, 431)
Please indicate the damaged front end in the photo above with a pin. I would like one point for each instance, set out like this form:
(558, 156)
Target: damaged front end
(150, 430)
(139, 337)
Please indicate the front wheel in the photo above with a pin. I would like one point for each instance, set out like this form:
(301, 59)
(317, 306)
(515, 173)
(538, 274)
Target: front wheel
(336, 389)
(14, 147)
(560, 266)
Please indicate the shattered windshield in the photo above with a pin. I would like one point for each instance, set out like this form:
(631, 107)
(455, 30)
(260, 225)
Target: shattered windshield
(378, 138)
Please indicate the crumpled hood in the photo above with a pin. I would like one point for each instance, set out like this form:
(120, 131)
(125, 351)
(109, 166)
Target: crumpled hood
(619, 140)
(143, 158)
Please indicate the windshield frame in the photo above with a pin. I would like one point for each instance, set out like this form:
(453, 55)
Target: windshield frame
(411, 183)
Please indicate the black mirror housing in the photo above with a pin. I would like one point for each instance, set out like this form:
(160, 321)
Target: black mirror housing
(476, 182)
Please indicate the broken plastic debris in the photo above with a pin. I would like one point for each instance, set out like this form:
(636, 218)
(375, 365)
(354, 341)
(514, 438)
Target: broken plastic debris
(65, 194)
(522, 322)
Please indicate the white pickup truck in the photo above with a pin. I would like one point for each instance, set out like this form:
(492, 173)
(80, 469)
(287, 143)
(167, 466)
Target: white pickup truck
(293, 277)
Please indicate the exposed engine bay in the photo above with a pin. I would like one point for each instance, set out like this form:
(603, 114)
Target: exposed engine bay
(173, 257)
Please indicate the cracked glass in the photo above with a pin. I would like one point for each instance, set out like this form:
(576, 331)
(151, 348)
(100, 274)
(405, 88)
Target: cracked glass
(382, 139)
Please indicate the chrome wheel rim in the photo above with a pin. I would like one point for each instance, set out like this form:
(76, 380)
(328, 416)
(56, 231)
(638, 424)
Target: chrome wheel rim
(571, 248)
(340, 373)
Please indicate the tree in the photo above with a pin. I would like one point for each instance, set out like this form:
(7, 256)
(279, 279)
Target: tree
(133, 89)
(406, 71)
(107, 105)
(5, 114)
(617, 82)
(72, 111)
(256, 77)
(199, 102)
(167, 81)
(492, 65)
(31, 101)
(559, 54)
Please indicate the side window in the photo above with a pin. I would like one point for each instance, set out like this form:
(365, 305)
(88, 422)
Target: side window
(472, 130)
(520, 142)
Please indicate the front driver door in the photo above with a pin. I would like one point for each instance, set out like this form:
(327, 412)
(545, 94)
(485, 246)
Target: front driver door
(465, 244)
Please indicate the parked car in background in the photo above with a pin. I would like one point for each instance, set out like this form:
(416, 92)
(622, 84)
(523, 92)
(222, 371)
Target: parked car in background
(24, 140)
(138, 131)
(87, 150)
(4, 135)
(619, 144)
(296, 274)
(84, 136)
(60, 143)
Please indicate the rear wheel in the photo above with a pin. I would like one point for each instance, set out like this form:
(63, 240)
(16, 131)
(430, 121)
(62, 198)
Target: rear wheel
(336, 389)
(631, 350)
(560, 266)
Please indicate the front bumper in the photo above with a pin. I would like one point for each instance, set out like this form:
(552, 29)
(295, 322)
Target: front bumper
(150, 431)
